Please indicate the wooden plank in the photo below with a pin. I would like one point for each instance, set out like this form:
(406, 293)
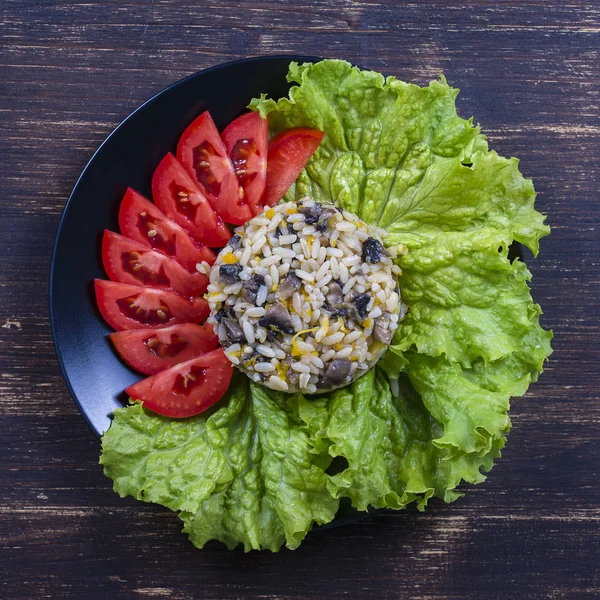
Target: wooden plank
(528, 72)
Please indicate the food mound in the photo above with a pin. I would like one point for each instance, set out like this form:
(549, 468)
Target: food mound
(304, 297)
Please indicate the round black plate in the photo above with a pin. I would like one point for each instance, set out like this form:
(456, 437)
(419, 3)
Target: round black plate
(95, 375)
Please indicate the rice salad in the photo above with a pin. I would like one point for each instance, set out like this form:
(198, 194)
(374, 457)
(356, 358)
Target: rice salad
(305, 297)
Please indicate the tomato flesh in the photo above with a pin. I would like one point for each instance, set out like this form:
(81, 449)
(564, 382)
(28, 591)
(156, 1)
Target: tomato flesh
(181, 199)
(129, 261)
(203, 155)
(289, 152)
(174, 346)
(246, 140)
(158, 237)
(240, 157)
(132, 308)
(125, 306)
(150, 351)
(133, 264)
(141, 220)
(186, 389)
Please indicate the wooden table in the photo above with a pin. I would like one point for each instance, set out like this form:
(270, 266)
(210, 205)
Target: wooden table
(529, 73)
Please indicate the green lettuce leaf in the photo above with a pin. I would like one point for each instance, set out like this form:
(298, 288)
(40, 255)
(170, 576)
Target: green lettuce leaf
(389, 441)
(245, 474)
(466, 299)
(263, 467)
(471, 404)
(400, 157)
(436, 425)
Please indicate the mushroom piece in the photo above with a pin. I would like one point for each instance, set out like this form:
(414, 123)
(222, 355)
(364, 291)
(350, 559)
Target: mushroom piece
(323, 222)
(336, 372)
(335, 295)
(221, 314)
(250, 288)
(233, 331)
(342, 310)
(311, 213)
(234, 242)
(361, 301)
(381, 329)
(372, 250)
(292, 377)
(290, 285)
(229, 274)
(277, 317)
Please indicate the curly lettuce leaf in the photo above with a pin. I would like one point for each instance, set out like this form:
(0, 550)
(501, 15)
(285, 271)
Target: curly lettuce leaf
(387, 440)
(472, 404)
(436, 425)
(259, 470)
(466, 299)
(400, 157)
(245, 474)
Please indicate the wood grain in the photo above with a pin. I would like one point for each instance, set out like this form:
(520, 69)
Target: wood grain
(528, 71)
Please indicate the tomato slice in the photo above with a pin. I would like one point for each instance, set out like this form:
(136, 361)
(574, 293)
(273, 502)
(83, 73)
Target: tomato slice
(186, 389)
(141, 220)
(247, 140)
(150, 351)
(125, 306)
(128, 261)
(178, 196)
(288, 154)
(202, 153)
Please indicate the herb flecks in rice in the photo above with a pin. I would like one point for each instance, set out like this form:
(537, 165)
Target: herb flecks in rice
(305, 297)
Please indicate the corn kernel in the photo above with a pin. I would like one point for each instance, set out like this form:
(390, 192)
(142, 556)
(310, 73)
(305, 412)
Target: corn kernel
(282, 370)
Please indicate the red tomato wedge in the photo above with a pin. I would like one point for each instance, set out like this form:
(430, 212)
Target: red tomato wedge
(180, 198)
(186, 389)
(141, 220)
(125, 306)
(288, 154)
(128, 261)
(204, 156)
(150, 351)
(247, 140)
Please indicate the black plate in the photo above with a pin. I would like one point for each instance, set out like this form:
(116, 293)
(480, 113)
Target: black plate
(95, 375)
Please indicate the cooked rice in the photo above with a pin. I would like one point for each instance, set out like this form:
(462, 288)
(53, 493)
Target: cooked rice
(305, 297)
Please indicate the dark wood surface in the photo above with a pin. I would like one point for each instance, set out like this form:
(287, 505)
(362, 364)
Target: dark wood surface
(529, 73)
